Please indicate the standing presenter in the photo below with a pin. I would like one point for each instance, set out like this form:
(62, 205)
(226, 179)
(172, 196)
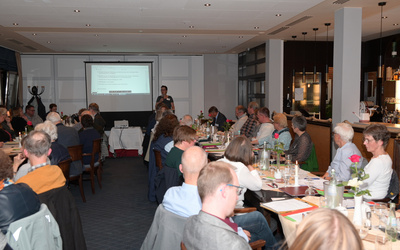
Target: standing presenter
(168, 100)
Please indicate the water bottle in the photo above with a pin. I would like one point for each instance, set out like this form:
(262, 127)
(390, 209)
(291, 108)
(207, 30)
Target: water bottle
(391, 225)
(264, 158)
(331, 193)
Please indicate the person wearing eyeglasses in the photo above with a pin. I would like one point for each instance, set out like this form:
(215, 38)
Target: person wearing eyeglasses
(379, 169)
(218, 187)
(239, 154)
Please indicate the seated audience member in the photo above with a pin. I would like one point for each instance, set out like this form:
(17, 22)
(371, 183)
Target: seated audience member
(12, 196)
(78, 125)
(326, 229)
(219, 119)
(98, 122)
(376, 138)
(239, 154)
(4, 134)
(186, 120)
(87, 136)
(266, 128)
(185, 200)
(67, 137)
(218, 188)
(170, 175)
(280, 125)
(240, 113)
(302, 144)
(58, 152)
(32, 116)
(18, 120)
(41, 176)
(249, 128)
(163, 142)
(52, 108)
(342, 136)
(6, 124)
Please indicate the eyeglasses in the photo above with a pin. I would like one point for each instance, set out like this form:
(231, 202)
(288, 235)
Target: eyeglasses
(367, 140)
(239, 188)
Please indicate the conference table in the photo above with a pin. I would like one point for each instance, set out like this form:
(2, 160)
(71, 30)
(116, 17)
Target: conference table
(130, 138)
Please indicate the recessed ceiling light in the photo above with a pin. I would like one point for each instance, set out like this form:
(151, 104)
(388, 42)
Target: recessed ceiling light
(96, 35)
(48, 42)
(33, 34)
(15, 24)
(395, 24)
(384, 17)
(179, 43)
(184, 36)
(87, 25)
(76, 11)
(256, 28)
(240, 36)
(278, 15)
(207, 4)
(140, 31)
(191, 27)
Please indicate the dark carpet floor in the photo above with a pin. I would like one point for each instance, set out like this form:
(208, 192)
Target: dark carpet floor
(119, 215)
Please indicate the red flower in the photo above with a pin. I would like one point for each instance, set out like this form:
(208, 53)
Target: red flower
(276, 136)
(355, 158)
(29, 123)
(209, 115)
(227, 120)
(201, 111)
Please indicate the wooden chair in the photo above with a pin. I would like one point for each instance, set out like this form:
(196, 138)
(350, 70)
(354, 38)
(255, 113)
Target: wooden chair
(76, 155)
(95, 168)
(157, 155)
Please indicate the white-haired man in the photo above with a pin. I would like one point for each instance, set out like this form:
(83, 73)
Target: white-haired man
(186, 120)
(342, 136)
(67, 136)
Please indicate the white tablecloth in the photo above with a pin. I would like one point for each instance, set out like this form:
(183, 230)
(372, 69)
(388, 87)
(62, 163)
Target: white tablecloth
(128, 138)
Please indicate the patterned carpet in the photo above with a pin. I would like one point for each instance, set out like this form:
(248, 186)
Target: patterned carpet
(119, 215)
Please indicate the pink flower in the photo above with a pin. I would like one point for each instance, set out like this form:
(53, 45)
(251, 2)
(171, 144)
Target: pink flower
(29, 123)
(276, 136)
(209, 115)
(355, 158)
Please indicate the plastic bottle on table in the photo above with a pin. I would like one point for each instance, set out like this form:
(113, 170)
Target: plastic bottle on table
(391, 225)
(331, 193)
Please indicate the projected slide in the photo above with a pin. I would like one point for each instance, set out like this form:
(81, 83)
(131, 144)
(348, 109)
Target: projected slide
(120, 80)
(120, 86)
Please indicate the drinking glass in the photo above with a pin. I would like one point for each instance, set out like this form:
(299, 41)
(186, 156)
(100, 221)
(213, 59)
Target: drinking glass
(288, 159)
(322, 201)
(362, 231)
(380, 210)
(286, 176)
(382, 242)
(310, 190)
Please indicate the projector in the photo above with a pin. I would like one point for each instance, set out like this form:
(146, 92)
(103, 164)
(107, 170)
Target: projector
(121, 124)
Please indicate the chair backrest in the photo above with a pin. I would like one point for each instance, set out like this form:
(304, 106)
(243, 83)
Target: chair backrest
(65, 165)
(37, 231)
(76, 152)
(311, 164)
(157, 155)
(393, 191)
(96, 150)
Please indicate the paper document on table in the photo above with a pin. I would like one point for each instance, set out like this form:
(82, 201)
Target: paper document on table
(285, 205)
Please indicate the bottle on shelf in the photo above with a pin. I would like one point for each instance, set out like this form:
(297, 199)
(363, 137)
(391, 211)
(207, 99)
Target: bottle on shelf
(391, 225)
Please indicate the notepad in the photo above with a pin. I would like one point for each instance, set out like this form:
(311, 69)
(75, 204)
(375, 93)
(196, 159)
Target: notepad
(286, 205)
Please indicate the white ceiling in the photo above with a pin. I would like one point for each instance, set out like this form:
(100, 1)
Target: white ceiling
(163, 26)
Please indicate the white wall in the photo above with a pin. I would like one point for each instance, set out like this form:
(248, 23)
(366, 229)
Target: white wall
(221, 83)
(64, 79)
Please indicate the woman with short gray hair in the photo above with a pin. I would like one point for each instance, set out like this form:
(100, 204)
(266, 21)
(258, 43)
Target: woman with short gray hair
(302, 144)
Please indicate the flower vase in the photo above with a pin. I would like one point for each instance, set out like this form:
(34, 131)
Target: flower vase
(357, 217)
(278, 161)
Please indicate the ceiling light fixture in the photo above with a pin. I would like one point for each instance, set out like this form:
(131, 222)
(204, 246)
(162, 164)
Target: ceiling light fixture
(327, 51)
(256, 27)
(207, 4)
(191, 27)
(184, 36)
(77, 11)
(315, 56)
(87, 25)
(48, 42)
(33, 34)
(15, 24)
(304, 56)
(395, 24)
(380, 69)
(240, 36)
(278, 15)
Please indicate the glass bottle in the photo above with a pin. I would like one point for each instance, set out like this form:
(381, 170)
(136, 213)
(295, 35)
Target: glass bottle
(391, 225)
(264, 158)
(332, 191)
